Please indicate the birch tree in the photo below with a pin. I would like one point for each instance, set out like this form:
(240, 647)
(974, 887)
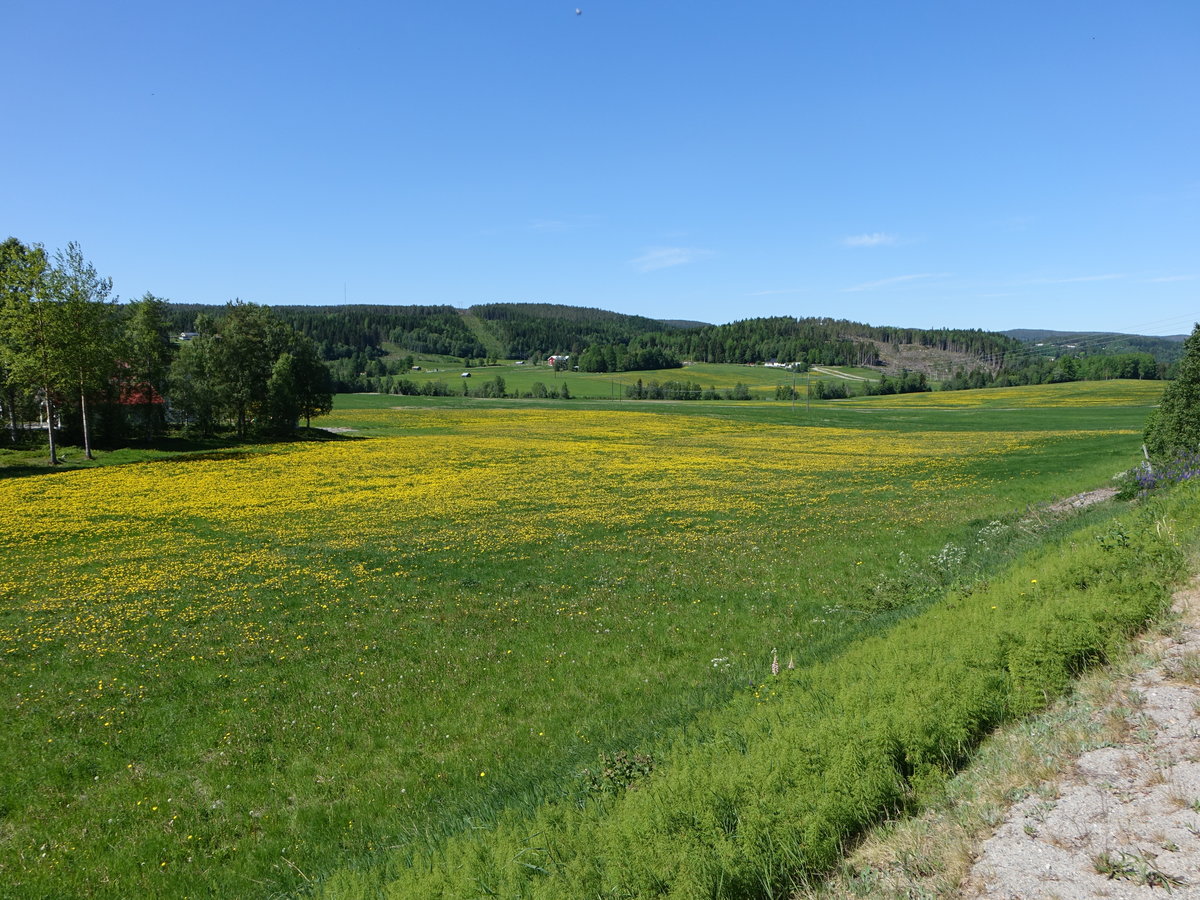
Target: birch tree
(90, 352)
(33, 334)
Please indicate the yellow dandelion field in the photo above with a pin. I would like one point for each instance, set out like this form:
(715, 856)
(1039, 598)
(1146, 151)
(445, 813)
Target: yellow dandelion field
(269, 644)
(478, 482)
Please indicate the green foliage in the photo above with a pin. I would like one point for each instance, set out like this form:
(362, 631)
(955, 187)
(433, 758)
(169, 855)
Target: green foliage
(148, 355)
(619, 772)
(192, 383)
(250, 367)
(283, 400)
(904, 383)
(58, 330)
(669, 390)
(1173, 430)
(640, 355)
(91, 326)
(1137, 868)
(826, 390)
(31, 343)
(312, 382)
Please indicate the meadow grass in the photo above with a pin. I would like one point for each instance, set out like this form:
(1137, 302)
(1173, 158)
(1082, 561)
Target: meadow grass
(231, 675)
(1116, 392)
(765, 794)
(761, 380)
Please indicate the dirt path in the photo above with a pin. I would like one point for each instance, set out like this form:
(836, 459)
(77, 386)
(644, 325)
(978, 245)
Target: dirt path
(1124, 820)
(824, 370)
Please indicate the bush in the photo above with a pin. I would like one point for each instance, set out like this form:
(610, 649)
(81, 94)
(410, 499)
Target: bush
(1173, 430)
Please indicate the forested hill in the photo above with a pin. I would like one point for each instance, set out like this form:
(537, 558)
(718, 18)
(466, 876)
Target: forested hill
(533, 330)
(345, 331)
(1165, 349)
(598, 340)
(823, 341)
(540, 329)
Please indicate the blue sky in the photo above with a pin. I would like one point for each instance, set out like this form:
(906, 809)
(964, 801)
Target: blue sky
(990, 165)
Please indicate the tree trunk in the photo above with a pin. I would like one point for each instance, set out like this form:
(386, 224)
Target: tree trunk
(87, 435)
(148, 413)
(50, 428)
(12, 414)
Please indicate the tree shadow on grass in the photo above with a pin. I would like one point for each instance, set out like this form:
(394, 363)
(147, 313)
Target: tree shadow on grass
(172, 448)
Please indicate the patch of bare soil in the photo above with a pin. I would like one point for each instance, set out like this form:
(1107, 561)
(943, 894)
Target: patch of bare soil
(1124, 820)
(1079, 501)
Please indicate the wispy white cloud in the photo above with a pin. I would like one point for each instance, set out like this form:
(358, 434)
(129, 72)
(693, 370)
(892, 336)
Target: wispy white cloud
(873, 239)
(1077, 278)
(1167, 278)
(665, 257)
(898, 279)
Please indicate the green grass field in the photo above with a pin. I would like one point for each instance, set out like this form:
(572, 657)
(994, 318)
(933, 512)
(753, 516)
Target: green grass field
(520, 379)
(242, 672)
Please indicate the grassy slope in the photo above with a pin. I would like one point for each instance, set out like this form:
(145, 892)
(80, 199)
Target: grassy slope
(282, 657)
(775, 783)
(495, 348)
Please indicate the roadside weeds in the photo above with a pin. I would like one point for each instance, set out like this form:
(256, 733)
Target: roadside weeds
(1016, 783)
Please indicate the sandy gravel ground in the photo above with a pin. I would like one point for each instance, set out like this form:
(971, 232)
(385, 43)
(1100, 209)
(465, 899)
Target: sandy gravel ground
(1079, 501)
(1124, 820)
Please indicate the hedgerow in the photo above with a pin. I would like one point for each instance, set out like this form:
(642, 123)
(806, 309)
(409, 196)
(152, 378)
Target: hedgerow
(766, 792)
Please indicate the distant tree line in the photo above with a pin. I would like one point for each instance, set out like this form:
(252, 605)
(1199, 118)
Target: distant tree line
(74, 363)
(641, 354)
(685, 390)
(1043, 370)
(904, 383)
(493, 388)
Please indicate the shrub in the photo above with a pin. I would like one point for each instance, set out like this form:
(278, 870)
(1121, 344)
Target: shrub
(1173, 430)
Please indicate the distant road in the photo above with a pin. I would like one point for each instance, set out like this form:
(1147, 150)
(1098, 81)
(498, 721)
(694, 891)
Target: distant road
(836, 374)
